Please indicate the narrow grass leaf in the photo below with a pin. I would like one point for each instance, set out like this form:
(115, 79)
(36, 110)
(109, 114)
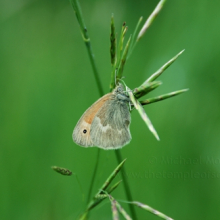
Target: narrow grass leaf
(145, 88)
(112, 176)
(162, 97)
(84, 216)
(114, 208)
(97, 198)
(151, 19)
(151, 210)
(113, 42)
(62, 171)
(121, 42)
(164, 67)
(112, 188)
(121, 210)
(123, 59)
(143, 114)
(134, 36)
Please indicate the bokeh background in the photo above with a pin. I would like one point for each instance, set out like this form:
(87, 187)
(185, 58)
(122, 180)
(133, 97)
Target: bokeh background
(46, 83)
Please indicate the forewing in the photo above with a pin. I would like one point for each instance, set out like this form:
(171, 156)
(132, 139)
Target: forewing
(81, 133)
(110, 126)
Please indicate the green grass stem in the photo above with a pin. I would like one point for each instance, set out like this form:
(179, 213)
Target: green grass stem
(150, 19)
(126, 185)
(86, 39)
(93, 175)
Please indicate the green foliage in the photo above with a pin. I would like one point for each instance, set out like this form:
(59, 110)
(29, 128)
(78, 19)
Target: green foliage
(46, 83)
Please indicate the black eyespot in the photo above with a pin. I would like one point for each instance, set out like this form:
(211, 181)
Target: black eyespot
(84, 131)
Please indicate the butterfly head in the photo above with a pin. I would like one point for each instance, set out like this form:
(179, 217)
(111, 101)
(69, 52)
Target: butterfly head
(120, 93)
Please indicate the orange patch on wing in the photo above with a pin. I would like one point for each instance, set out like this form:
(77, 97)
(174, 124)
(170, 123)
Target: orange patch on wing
(91, 112)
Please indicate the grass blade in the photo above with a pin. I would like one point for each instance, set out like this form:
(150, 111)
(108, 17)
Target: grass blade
(145, 88)
(133, 40)
(164, 67)
(111, 189)
(114, 208)
(162, 97)
(151, 19)
(123, 59)
(118, 58)
(99, 196)
(151, 210)
(143, 114)
(121, 210)
(112, 176)
(121, 42)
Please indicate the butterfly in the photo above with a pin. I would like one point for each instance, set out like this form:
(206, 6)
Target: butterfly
(106, 123)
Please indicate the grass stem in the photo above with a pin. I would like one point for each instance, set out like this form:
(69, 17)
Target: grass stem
(86, 39)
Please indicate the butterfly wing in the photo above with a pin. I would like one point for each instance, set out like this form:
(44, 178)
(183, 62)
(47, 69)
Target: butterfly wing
(81, 133)
(110, 126)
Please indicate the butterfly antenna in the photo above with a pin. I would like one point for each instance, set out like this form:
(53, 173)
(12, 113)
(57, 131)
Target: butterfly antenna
(116, 76)
(123, 83)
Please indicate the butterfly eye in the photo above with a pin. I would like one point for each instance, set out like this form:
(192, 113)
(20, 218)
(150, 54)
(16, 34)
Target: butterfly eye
(84, 131)
(119, 89)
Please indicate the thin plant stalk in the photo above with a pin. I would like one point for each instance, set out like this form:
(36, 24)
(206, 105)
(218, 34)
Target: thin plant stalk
(86, 39)
(126, 185)
(93, 176)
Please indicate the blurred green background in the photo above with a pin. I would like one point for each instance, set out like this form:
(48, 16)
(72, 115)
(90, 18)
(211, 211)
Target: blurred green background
(46, 83)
